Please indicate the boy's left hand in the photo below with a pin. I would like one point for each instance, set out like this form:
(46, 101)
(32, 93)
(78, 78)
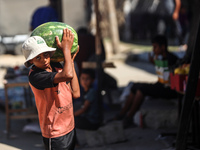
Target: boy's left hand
(74, 55)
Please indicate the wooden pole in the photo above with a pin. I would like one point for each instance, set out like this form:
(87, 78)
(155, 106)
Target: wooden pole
(59, 10)
(97, 36)
(189, 97)
(113, 25)
(98, 52)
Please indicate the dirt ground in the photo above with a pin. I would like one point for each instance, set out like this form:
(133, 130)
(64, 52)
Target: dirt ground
(123, 73)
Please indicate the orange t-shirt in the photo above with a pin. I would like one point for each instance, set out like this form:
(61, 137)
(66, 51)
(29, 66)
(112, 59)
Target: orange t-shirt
(55, 108)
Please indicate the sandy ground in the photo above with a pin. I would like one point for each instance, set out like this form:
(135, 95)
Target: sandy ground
(9, 60)
(123, 72)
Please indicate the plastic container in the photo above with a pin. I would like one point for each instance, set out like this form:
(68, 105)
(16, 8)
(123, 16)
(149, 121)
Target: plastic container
(177, 82)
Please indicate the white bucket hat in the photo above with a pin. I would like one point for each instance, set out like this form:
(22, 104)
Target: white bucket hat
(34, 46)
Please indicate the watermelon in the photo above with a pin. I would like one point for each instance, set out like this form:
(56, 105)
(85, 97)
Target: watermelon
(48, 31)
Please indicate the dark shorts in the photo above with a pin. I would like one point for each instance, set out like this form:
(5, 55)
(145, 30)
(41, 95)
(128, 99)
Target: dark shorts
(157, 90)
(66, 142)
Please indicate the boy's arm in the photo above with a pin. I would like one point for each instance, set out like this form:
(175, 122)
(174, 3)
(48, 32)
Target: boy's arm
(67, 73)
(83, 109)
(74, 82)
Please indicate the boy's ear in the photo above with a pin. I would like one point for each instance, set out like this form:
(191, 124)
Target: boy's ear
(30, 61)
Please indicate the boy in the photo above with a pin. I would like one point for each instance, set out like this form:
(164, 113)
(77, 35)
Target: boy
(53, 87)
(89, 116)
(140, 90)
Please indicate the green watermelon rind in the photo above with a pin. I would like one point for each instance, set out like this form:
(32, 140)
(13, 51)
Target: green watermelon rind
(48, 31)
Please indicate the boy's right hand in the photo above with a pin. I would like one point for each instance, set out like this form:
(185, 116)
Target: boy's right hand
(67, 40)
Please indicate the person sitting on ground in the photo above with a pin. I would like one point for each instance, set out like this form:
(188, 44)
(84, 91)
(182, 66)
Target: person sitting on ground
(89, 116)
(139, 90)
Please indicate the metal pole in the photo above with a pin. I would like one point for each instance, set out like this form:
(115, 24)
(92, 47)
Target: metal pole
(189, 97)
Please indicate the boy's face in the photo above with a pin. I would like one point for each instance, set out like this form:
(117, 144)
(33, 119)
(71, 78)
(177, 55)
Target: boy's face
(85, 81)
(42, 60)
(157, 49)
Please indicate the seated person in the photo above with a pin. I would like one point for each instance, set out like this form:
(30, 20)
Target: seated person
(140, 90)
(89, 116)
(86, 42)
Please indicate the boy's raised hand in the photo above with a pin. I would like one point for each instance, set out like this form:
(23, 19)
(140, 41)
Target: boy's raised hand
(67, 40)
(74, 55)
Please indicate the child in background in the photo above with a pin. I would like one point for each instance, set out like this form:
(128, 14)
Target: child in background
(53, 86)
(89, 116)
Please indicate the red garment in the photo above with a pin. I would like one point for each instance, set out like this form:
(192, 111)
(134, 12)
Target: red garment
(55, 110)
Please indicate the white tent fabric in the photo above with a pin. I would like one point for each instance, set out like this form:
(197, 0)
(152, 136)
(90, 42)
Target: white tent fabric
(15, 15)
